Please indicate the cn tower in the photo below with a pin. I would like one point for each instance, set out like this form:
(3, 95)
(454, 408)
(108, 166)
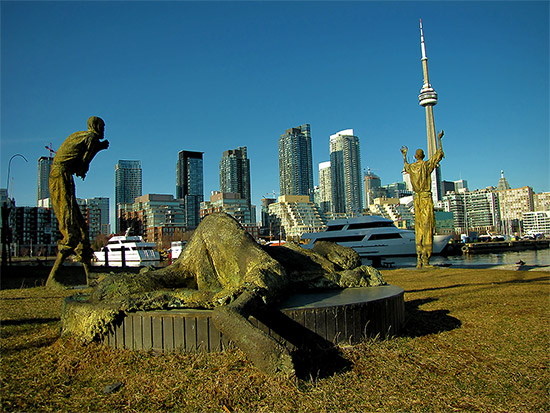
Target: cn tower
(428, 99)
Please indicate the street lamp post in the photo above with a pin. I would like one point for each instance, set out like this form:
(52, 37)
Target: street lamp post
(6, 211)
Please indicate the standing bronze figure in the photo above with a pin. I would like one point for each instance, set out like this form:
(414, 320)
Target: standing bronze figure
(424, 227)
(73, 157)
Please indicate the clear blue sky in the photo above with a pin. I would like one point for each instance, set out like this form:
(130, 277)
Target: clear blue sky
(212, 76)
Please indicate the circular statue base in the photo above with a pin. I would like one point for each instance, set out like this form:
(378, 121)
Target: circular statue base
(338, 316)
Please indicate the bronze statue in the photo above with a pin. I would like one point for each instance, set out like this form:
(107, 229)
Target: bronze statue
(73, 157)
(223, 268)
(424, 228)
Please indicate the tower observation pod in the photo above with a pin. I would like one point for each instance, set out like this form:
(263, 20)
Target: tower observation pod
(428, 99)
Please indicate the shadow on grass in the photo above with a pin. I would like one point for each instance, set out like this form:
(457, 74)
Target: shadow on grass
(519, 280)
(312, 355)
(11, 328)
(34, 343)
(29, 333)
(29, 276)
(420, 323)
(25, 321)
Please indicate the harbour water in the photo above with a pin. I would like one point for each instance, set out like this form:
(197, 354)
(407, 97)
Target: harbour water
(531, 258)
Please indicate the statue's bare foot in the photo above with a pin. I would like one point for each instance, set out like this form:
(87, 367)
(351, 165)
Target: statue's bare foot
(277, 361)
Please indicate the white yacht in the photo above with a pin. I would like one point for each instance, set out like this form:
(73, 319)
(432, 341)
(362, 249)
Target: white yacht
(176, 248)
(372, 236)
(137, 253)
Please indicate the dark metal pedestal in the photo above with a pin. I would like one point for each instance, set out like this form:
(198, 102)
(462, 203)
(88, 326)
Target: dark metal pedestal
(338, 316)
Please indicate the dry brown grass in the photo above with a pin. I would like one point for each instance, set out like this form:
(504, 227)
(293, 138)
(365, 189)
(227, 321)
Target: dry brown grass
(474, 340)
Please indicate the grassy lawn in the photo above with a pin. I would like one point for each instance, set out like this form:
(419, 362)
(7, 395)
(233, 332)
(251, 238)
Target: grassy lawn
(473, 340)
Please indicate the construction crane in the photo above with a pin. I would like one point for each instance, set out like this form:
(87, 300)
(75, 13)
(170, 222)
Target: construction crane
(50, 148)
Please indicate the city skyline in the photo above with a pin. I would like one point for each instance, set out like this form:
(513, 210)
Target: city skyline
(213, 76)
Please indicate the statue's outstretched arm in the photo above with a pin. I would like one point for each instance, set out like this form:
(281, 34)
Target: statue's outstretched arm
(94, 146)
(404, 150)
(232, 321)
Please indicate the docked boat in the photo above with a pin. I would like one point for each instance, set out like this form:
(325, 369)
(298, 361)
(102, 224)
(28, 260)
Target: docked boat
(176, 248)
(372, 236)
(128, 250)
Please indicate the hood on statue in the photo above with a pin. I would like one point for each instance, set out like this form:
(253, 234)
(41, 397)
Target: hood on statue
(96, 125)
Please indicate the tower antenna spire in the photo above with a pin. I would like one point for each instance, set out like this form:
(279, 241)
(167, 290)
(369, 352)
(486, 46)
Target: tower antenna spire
(422, 45)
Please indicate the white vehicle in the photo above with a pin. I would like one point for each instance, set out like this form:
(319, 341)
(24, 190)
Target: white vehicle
(176, 248)
(137, 253)
(372, 236)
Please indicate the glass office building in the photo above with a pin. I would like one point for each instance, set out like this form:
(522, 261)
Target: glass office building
(189, 185)
(235, 173)
(127, 184)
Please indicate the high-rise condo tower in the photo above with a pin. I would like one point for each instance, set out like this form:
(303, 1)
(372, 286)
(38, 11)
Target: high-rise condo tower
(295, 162)
(44, 166)
(325, 187)
(189, 185)
(235, 172)
(345, 169)
(127, 185)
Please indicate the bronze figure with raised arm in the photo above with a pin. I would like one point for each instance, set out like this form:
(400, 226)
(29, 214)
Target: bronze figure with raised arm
(73, 157)
(420, 174)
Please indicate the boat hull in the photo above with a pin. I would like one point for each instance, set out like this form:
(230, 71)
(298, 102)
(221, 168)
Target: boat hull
(132, 259)
(408, 248)
(373, 236)
(392, 248)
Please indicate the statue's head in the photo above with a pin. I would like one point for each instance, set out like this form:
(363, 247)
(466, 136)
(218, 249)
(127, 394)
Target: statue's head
(419, 154)
(96, 125)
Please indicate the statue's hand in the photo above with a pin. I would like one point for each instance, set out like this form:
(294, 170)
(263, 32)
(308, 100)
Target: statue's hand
(82, 172)
(440, 134)
(104, 144)
(404, 150)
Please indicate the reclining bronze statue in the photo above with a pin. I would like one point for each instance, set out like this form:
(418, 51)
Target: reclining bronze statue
(223, 268)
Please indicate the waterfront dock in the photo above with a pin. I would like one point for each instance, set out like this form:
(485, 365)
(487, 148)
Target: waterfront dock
(503, 246)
